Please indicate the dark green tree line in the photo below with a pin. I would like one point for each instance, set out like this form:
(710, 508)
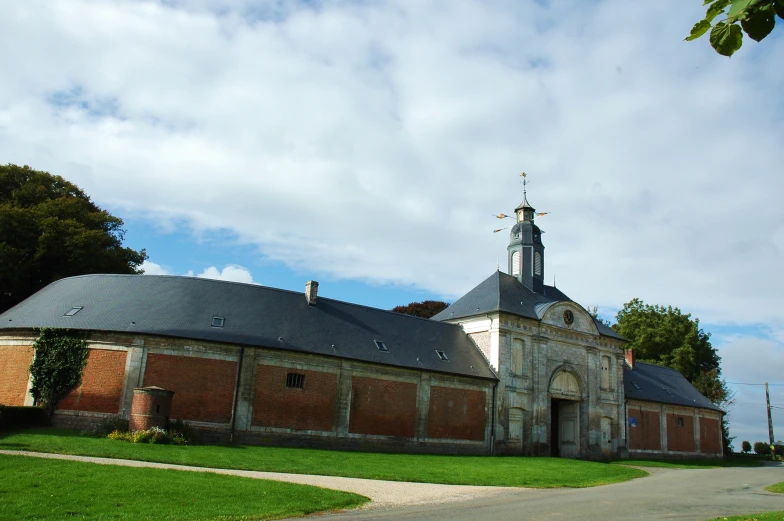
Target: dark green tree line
(50, 229)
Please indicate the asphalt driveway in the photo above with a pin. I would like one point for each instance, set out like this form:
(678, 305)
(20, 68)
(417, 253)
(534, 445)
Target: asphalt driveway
(685, 494)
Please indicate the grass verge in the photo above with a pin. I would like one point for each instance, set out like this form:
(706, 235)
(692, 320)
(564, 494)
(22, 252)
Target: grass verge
(778, 488)
(44, 489)
(455, 470)
(766, 516)
(690, 464)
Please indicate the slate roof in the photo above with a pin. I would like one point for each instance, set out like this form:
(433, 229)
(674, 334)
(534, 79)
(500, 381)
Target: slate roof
(254, 316)
(503, 292)
(654, 381)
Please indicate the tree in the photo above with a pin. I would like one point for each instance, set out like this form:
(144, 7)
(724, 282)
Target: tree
(50, 229)
(594, 312)
(756, 18)
(745, 446)
(424, 309)
(60, 358)
(668, 337)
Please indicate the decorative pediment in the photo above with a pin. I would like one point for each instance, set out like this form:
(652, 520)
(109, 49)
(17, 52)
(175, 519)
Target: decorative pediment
(567, 315)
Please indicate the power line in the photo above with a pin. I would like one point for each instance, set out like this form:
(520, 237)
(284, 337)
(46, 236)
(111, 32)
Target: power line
(744, 383)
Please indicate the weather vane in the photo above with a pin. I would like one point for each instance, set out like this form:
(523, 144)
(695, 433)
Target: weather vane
(525, 194)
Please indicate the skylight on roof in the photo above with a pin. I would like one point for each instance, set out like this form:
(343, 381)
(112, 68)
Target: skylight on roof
(74, 310)
(442, 355)
(636, 386)
(381, 346)
(666, 390)
(218, 321)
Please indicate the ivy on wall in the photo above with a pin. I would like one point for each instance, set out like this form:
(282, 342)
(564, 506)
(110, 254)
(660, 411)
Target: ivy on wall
(60, 357)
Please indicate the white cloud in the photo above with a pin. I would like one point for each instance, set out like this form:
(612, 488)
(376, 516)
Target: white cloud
(151, 268)
(374, 140)
(231, 273)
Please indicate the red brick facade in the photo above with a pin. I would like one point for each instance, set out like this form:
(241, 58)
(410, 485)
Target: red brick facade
(203, 387)
(14, 374)
(680, 438)
(710, 436)
(647, 434)
(309, 408)
(456, 414)
(383, 407)
(102, 383)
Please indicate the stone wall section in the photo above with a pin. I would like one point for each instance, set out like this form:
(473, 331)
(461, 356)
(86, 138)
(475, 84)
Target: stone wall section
(311, 407)
(456, 414)
(523, 416)
(696, 435)
(15, 360)
(383, 407)
(644, 426)
(343, 404)
(102, 383)
(203, 387)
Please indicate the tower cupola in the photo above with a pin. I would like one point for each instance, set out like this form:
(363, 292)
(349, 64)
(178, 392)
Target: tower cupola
(525, 250)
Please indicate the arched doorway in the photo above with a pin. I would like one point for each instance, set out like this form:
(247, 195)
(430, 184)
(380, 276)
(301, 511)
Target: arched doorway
(565, 395)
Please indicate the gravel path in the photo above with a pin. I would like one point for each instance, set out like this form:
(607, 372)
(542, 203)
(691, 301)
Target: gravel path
(383, 494)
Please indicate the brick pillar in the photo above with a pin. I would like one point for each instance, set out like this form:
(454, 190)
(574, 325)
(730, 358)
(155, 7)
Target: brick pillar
(150, 408)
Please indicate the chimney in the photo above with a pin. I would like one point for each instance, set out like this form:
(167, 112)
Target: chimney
(311, 292)
(630, 358)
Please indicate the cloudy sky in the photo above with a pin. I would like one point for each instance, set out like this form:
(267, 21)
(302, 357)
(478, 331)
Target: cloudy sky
(366, 144)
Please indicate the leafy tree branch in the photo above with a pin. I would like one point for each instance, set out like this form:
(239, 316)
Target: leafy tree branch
(756, 18)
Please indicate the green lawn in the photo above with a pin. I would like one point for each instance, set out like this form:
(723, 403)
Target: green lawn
(778, 488)
(41, 489)
(689, 464)
(462, 470)
(767, 516)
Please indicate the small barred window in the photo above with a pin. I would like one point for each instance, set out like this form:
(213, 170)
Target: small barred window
(295, 380)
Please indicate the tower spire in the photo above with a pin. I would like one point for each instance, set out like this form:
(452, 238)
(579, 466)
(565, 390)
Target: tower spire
(526, 251)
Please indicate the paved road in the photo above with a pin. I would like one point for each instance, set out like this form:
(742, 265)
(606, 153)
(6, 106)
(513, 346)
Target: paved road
(682, 494)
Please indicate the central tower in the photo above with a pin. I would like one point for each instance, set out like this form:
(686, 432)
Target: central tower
(526, 251)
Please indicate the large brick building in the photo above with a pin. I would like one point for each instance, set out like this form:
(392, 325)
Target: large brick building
(512, 367)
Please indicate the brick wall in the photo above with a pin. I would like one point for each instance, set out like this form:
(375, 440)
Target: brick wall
(680, 438)
(382, 407)
(102, 383)
(203, 387)
(646, 436)
(309, 408)
(456, 414)
(710, 436)
(14, 373)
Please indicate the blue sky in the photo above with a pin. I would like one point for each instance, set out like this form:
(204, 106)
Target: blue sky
(366, 145)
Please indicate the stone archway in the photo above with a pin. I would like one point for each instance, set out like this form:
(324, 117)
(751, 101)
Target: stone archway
(565, 397)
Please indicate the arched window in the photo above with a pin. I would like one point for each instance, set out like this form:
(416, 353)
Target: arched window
(516, 263)
(537, 263)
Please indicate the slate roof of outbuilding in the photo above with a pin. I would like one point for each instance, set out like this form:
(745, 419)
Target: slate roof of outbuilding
(654, 381)
(254, 316)
(504, 293)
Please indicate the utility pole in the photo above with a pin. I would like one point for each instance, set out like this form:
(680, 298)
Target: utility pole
(770, 424)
